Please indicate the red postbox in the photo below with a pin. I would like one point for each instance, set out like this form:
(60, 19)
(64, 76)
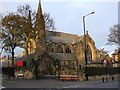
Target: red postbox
(19, 63)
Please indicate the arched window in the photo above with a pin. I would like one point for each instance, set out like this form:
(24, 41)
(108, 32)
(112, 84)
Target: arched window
(89, 53)
(50, 48)
(59, 49)
(68, 50)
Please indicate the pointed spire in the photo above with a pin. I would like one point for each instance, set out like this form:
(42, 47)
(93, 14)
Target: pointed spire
(39, 17)
(39, 23)
(39, 11)
(39, 1)
(40, 31)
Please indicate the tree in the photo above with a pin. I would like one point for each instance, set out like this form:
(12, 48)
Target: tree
(18, 29)
(49, 22)
(27, 27)
(103, 53)
(10, 33)
(26, 12)
(114, 36)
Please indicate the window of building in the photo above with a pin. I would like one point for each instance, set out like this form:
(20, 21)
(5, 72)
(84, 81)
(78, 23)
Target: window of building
(59, 49)
(68, 50)
(50, 48)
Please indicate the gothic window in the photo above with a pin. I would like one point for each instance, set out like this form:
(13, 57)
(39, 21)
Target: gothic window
(68, 50)
(64, 63)
(59, 49)
(89, 53)
(50, 48)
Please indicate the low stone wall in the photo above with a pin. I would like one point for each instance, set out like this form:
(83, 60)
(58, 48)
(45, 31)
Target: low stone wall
(26, 74)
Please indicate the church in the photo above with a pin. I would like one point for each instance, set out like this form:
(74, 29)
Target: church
(59, 50)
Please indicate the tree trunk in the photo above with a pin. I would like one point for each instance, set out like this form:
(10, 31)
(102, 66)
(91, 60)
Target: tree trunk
(36, 71)
(12, 57)
(27, 57)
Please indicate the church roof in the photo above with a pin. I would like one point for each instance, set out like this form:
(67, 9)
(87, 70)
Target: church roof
(62, 56)
(62, 37)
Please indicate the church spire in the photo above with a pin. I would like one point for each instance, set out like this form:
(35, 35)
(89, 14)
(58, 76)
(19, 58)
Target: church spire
(40, 31)
(39, 22)
(39, 10)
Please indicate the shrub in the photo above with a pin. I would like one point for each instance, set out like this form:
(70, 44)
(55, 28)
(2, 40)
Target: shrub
(101, 70)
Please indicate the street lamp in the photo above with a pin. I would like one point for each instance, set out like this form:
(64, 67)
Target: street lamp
(85, 43)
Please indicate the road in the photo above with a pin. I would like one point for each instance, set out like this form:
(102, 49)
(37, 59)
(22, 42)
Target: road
(58, 84)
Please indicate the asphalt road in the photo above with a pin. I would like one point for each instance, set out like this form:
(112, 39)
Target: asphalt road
(58, 84)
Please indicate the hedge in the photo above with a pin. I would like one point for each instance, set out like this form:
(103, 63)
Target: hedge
(8, 71)
(102, 70)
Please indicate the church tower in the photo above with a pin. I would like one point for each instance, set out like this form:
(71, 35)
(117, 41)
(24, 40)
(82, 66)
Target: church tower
(40, 32)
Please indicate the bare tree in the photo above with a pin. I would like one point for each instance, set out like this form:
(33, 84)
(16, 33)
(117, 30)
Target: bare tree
(49, 22)
(114, 36)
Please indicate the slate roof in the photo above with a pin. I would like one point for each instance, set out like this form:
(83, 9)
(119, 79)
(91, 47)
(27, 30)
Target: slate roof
(62, 56)
(62, 37)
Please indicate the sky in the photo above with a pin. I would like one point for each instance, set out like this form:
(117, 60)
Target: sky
(68, 16)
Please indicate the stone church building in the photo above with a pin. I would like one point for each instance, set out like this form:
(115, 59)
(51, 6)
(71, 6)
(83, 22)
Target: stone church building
(67, 49)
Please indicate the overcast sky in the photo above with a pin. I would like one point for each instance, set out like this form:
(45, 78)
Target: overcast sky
(68, 16)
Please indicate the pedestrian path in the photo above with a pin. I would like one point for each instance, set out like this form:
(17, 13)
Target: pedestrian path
(96, 84)
(52, 83)
(78, 86)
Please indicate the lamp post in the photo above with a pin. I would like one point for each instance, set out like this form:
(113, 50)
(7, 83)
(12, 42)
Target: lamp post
(85, 44)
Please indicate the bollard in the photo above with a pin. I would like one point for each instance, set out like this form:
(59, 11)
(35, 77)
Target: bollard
(106, 79)
(112, 78)
(8, 76)
(103, 80)
(86, 75)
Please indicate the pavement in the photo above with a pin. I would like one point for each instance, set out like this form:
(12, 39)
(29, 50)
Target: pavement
(56, 84)
(50, 83)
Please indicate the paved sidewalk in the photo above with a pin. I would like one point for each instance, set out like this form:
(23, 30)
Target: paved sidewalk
(52, 83)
